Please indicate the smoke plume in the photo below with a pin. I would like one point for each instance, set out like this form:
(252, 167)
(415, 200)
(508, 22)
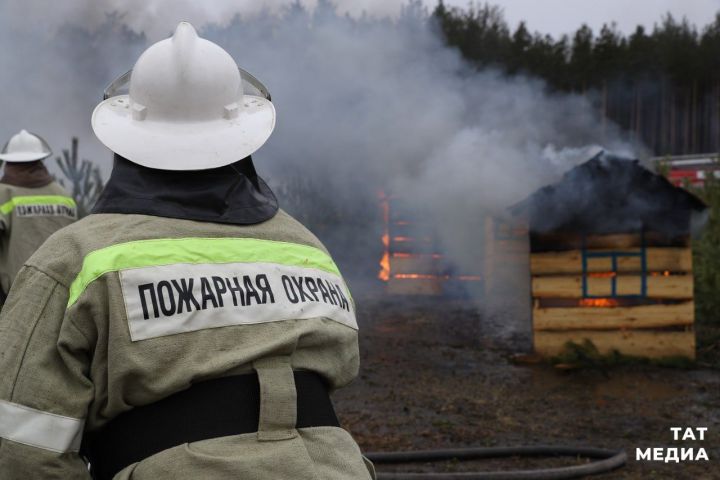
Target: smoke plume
(364, 105)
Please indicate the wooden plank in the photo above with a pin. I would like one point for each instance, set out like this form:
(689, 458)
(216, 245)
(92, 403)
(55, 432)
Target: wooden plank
(414, 286)
(658, 260)
(506, 259)
(573, 241)
(615, 241)
(570, 286)
(418, 264)
(641, 343)
(599, 264)
(607, 318)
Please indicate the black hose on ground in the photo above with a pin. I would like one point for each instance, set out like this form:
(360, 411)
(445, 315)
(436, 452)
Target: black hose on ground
(607, 460)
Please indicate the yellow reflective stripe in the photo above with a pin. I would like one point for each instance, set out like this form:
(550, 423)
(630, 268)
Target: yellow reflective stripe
(8, 206)
(167, 251)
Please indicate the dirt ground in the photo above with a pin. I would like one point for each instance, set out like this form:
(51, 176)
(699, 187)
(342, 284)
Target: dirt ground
(435, 375)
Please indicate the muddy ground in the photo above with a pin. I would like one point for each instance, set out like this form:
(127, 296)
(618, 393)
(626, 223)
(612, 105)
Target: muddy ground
(435, 375)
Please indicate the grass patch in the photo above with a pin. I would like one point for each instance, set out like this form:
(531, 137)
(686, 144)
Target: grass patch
(708, 344)
(586, 355)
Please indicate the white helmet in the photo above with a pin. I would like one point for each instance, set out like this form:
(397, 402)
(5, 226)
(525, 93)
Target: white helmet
(186, 108)
(25, 147)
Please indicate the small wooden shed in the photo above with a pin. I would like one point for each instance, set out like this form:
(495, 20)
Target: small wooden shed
(611, 261)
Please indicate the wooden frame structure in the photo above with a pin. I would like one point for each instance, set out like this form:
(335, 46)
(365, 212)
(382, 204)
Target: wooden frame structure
(413, 262)
(611, 261)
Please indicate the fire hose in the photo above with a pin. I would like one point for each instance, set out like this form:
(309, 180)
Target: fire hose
(605, 461)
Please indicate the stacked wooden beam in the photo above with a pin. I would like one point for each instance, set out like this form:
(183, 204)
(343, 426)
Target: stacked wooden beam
(574, 299)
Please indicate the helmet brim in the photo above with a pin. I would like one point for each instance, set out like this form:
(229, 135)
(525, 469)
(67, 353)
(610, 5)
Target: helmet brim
(184, 145)
(20, 157)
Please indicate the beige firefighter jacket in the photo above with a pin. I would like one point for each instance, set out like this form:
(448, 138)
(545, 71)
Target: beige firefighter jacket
(28, 216)
(118, 311)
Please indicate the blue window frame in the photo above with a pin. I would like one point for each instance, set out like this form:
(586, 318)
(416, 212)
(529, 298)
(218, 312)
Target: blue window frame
(613, 256)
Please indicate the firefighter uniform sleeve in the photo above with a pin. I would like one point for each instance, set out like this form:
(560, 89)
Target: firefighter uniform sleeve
(44, 388)
(5, 203)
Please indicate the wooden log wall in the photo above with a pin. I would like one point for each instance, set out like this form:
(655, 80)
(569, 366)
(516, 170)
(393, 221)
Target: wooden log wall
(506, 257)
(657, 324)
(507, 283)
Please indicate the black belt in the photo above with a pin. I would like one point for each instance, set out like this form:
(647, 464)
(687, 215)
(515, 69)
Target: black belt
(210, 409)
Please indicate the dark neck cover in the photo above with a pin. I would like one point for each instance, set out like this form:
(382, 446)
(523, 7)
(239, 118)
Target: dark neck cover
(26, 174)
(233, 194)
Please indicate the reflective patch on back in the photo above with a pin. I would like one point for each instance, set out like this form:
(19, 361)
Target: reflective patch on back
(171, 299)
(48, 210)
(40, 206)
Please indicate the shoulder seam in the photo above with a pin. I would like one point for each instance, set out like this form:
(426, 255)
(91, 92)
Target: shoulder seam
(53, 276)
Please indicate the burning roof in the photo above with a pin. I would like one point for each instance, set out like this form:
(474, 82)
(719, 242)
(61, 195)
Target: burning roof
(610, 194)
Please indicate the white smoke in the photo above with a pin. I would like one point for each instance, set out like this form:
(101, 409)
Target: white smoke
(157, 18)
(363, 103)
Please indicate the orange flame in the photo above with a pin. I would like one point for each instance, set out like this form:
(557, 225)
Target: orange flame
(598, 302)
(421, 276)
(416, 255)
(602, 274)
(666, 273)
(384, 273)
(427, 276)
(405, 238)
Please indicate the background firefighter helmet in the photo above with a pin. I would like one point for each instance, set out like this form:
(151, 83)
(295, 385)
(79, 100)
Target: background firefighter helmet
(186, 108)
(25, 147)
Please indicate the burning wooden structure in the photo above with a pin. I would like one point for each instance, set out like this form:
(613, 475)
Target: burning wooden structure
(412, 260)
(611, 261)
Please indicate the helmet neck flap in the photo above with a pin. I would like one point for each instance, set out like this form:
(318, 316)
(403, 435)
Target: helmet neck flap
(26, 174)
(232, 194)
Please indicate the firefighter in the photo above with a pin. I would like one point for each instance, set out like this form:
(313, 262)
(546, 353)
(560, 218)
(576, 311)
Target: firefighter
(32, 205)
(187, 328)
